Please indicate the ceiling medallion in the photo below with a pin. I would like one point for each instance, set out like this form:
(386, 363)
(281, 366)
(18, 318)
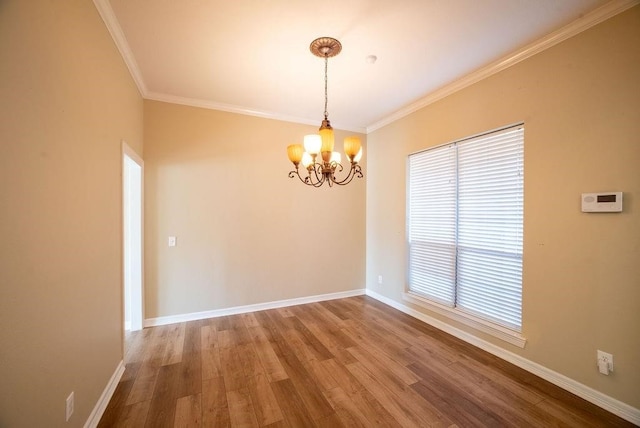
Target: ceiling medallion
(322, 143)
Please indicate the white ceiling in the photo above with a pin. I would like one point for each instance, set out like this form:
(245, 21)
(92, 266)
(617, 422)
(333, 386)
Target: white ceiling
(252, 56)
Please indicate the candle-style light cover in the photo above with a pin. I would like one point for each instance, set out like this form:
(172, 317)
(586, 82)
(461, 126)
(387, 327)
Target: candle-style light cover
(295, 152)
(312, 144)
(351, 147)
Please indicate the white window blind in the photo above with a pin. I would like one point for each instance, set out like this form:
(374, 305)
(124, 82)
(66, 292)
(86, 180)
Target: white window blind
(465, 228)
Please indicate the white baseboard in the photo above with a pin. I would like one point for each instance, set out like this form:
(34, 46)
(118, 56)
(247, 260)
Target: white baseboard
(103, 401)
(172, 319)
(610, 404)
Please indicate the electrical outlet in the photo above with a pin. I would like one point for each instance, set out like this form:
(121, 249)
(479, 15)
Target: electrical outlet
(605, 362)
(172, 241)
(69, 406)
(379, 279)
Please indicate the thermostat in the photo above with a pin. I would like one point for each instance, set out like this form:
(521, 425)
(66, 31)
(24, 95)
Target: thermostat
(607, 202)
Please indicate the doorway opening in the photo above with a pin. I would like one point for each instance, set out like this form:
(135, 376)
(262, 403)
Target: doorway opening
(133, 197)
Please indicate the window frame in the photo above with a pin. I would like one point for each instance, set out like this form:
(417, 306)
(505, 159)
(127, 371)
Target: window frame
(457, 314)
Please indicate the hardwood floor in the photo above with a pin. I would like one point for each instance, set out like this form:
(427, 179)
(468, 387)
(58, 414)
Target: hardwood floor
(352, 362)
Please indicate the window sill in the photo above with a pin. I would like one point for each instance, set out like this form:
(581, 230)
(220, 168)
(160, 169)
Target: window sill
(484, 326)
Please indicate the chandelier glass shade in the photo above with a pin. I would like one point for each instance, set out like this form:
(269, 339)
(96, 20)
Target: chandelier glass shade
(323, 169)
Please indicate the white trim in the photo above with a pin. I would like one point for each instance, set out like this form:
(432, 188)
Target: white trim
(138, 322)
(103, 401)
(606, 402)
(484, 326)
(212, 105)
(589, 20)
(112, 24)
(127, 150)
(172, 319)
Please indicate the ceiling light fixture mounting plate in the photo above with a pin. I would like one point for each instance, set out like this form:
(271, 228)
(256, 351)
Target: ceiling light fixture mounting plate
(325, 47)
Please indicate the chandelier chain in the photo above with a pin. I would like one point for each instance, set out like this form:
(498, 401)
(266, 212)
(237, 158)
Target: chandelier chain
(326, 66)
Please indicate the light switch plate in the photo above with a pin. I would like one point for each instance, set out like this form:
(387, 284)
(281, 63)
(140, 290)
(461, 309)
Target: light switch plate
(605, 362)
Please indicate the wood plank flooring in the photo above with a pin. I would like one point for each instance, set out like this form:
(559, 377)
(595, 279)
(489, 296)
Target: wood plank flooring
(351, 362)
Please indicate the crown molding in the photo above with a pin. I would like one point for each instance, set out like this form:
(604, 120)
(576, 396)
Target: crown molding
(589, 20)
(211, 105)
(110, 20)
(112, 24)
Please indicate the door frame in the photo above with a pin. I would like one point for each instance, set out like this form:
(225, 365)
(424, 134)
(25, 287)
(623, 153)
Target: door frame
(135, 299)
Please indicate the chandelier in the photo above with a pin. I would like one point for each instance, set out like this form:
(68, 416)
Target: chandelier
(324, 169)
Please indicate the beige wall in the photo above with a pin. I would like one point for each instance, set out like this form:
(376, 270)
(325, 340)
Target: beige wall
(246, 233)
(580, 102)
(249, 234)
(67, 101)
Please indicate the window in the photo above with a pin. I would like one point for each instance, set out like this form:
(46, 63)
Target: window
(465, 215)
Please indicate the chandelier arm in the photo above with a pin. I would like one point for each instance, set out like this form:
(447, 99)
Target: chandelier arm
(308, 180)
(318, 183)
(354, 171)
(317, 171)
(295, 173)
(347, 179)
